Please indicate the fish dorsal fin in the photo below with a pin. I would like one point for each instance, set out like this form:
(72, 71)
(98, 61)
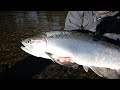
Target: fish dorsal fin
(106, 72)
(86, 68)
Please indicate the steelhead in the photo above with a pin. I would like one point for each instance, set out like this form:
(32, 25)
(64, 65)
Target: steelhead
(100, 56)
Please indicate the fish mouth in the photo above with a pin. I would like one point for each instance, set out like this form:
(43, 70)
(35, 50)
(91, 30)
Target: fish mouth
(24, 47)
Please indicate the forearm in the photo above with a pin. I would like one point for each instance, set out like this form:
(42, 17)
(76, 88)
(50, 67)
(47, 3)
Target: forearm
(74, 20)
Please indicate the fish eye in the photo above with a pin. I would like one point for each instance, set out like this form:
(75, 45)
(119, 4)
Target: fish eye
(28, 41)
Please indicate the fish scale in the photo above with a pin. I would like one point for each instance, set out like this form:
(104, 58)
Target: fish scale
(82, 47)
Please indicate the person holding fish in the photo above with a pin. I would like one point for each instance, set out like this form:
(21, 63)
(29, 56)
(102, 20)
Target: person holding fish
(87, 20)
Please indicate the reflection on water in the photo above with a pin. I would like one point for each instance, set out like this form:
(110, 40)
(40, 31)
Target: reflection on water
(56, 25)
(43, 20)
(32, 18)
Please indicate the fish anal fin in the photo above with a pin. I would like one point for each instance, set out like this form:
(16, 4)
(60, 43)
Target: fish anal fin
(96, 70)
(111, 73)
(118, 70)
(106, 72)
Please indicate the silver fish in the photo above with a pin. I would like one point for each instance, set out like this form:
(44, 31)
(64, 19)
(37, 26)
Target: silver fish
(100, 56)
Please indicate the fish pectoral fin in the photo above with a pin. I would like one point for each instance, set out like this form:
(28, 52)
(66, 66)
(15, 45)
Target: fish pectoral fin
(56, 58)
(106, 72)
(86, 68)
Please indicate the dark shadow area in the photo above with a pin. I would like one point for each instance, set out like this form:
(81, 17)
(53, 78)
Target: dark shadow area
(25, 69)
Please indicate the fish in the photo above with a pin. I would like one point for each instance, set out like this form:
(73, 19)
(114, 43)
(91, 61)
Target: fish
(101, 56)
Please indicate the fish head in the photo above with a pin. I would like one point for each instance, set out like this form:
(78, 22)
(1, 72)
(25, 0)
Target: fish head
(35, 47)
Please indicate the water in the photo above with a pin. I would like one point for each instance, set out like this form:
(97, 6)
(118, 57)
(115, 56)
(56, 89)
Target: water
(17, 64)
